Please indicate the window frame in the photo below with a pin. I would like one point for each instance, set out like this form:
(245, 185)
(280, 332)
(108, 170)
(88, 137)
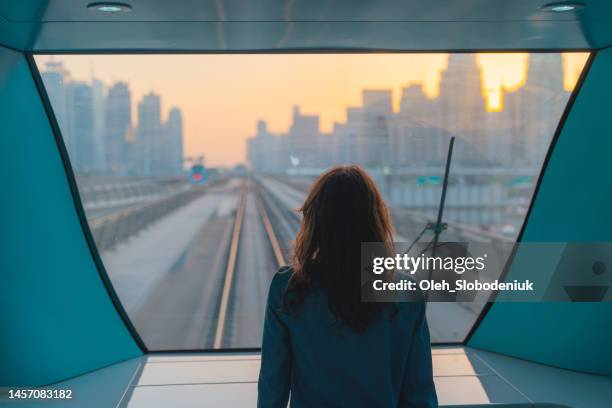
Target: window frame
(76, 197)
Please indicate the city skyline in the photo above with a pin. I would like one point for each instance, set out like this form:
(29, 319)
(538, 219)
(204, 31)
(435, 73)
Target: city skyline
(221, 104)
(99, 130)
(376, 136)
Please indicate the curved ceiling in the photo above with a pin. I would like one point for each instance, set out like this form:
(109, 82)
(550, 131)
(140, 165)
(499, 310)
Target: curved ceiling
(246, 25)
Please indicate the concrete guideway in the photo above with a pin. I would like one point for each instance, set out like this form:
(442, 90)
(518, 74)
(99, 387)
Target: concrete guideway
(137, 264)
(212, 294)
(198, 277)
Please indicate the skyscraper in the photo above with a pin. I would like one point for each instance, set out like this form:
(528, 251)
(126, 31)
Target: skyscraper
(418, 107)
(174, 140)
(264, 151)
(99, 133)
(303, 139)
(373, 135)
(345, 149)
(461, 96)
(531, 112)
(118, 117)
(417, 137)
(56, 81)
(544, 88)
(463, 109)
(80, 107)
(149, 144)
(377, 102)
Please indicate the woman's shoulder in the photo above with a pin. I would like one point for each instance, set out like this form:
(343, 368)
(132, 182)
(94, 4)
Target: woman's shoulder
(279, 283)
(282, 276)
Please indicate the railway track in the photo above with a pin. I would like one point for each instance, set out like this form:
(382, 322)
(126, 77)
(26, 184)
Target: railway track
(280, 224)
(284, 221)
(214, 296)
(230, 269)
(228, 299)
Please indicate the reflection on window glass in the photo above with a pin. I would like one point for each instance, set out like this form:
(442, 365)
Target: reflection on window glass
(189, 166)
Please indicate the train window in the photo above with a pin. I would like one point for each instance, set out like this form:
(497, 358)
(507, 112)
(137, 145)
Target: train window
(189, 166)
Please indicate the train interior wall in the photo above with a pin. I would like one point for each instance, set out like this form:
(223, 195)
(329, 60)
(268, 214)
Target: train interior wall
(572, 205)
(50, 330)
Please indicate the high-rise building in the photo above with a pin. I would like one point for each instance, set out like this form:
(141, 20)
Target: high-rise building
(373, 129)
(345, 149)
(415, 105)
(56, 80)
(530, 113)
(118, 122)
(417, 137)
(377, 102)
(461, 95)
(81, 131)
(265, 151)
(99, 131)
(97, 127)
(174, 141)
(463, 109)
(302, 141)
(303, 126)
(149, 143)
(543, 88)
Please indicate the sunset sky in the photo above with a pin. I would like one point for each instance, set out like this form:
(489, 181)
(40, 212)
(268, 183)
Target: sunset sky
(222, 96)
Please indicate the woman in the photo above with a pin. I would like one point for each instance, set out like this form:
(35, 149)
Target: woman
(320, 341)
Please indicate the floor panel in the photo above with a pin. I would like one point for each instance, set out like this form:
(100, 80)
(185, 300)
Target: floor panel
(464, 377)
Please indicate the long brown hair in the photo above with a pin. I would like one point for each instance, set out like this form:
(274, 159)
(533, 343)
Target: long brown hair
(343, 209)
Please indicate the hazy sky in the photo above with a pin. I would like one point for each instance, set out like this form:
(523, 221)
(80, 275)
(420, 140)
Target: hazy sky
(223, 95)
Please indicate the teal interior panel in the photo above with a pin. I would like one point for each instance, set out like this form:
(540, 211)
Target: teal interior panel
(195, 25)
(56, 318)
(574, 204)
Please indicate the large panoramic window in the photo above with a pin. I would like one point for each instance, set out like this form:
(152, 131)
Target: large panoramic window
(190, 167)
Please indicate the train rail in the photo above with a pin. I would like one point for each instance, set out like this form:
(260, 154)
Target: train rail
(276, 246)
(229, 299)
(213, 295)
(230, 270)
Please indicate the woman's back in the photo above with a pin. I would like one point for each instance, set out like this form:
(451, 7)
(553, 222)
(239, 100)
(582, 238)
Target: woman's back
(321, 341)
(325, 364)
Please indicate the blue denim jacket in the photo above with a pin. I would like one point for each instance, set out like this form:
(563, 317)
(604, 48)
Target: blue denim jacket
(324, 365)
